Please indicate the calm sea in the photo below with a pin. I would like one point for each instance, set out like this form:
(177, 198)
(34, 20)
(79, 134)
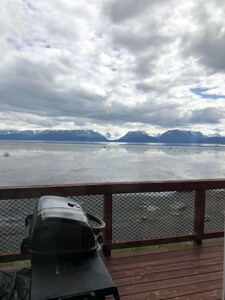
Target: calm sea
(58, 163)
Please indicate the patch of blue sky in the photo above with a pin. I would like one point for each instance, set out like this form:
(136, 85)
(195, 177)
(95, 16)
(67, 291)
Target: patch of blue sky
(203, 93)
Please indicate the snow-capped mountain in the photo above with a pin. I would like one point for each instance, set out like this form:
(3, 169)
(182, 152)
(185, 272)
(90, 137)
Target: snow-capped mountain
(181, 136)
(137, 137)
(54, 135)
(170, 136)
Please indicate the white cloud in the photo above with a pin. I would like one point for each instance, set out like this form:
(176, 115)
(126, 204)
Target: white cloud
(111, 65)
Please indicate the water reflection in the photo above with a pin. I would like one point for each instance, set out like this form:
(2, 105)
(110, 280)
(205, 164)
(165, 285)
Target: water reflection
(49, 163)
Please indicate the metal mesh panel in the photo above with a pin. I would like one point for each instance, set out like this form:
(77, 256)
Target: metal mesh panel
(150, 215)
(214, 210)
(92, 204)
(12, 225)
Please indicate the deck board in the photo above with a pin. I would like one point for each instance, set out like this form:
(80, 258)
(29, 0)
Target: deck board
(187, 272)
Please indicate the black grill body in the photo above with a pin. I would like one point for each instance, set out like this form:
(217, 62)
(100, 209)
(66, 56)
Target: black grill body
(59, 226)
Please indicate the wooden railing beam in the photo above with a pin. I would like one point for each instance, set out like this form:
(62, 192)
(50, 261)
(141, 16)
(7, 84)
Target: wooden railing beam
(36, 191)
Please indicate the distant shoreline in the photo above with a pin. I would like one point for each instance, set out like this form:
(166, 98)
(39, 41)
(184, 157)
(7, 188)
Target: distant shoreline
(115, 142)
(170, 137)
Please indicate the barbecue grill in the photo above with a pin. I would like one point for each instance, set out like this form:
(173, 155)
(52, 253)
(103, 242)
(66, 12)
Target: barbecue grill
(59, 226)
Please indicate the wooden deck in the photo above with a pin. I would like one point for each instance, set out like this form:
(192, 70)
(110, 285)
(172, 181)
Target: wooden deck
(187, 272)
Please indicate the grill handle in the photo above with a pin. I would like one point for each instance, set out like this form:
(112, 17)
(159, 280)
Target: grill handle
(100, 224)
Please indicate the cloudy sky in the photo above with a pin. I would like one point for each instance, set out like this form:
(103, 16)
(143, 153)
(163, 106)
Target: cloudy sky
(112, 65)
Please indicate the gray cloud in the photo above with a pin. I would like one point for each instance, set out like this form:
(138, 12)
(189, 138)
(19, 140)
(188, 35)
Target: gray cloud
(144, 87)
(33, 88)
(140, 41)
(207, 43)
(149, 112)
(120, 11)
(209, 48)
(143, 37)
(209, 115)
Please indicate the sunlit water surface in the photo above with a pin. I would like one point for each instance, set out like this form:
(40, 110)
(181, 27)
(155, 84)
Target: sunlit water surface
(52, 163)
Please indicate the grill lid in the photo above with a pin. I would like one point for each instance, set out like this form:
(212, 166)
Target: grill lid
(58, 226)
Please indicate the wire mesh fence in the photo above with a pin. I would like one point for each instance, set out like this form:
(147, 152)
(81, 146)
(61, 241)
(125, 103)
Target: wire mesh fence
(150, 215)
(12, 223)
(135, 216)
(214, 210)
(92, 204)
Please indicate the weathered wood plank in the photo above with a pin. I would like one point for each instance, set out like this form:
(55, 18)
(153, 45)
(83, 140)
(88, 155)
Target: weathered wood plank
(163, 261)
(212, 295)
(170, 274)
(167, 268)
(189, 272)
(171, 286)
(160, 249)
(210, 291)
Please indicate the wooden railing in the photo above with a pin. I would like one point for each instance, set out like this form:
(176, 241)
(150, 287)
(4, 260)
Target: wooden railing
(199, 187)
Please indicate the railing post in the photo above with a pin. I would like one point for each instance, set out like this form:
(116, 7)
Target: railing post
(199, 218)
(108, 222)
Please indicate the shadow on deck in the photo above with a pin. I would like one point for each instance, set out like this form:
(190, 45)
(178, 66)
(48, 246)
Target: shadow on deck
(188, 272)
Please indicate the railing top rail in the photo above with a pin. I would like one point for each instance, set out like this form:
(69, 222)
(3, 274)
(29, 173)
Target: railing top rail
(35, 191)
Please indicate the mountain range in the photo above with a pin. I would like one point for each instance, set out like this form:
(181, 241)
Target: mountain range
(171, 136)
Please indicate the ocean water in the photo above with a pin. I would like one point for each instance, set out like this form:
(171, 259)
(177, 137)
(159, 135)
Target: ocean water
(58, 163)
